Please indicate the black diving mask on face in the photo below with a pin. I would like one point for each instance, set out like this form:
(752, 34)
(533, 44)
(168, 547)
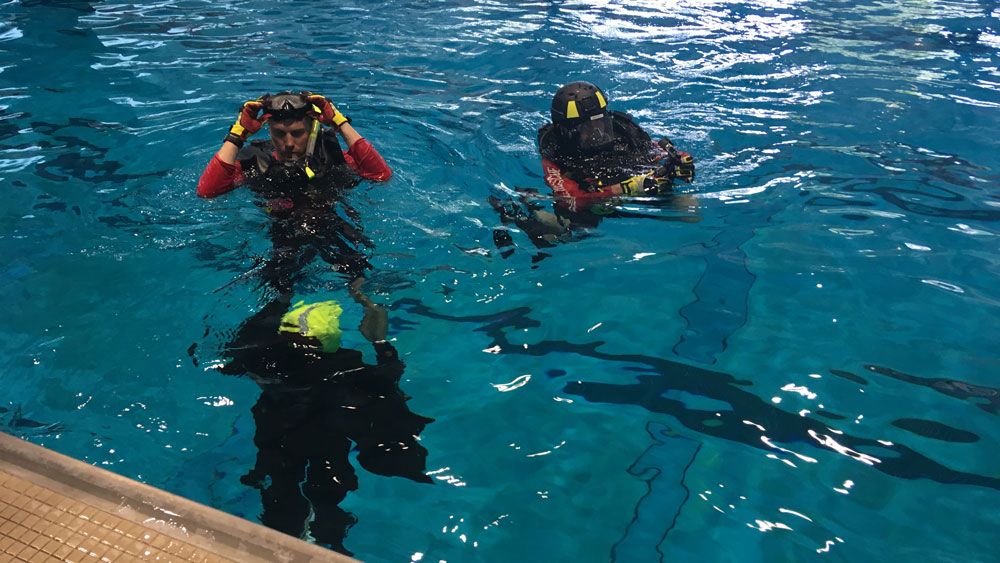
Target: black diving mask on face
(589, 136)
(286, 105)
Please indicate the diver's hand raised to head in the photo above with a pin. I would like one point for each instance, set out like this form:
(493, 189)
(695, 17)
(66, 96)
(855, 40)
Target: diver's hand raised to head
(324, 111)
(248, 122)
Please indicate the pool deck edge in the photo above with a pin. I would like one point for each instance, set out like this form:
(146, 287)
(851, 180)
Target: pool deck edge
(51, 503)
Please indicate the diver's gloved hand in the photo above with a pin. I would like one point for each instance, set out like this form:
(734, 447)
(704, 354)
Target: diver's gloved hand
(327, 113)
(653, 183)
(248, 122)
(676, 164)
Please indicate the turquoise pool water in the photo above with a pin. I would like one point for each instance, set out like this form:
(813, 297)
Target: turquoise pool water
(809, 371)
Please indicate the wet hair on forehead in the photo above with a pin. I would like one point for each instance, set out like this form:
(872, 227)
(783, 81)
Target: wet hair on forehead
(292, 121)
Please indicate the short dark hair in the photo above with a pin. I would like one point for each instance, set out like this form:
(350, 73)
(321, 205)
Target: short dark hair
(288, 120)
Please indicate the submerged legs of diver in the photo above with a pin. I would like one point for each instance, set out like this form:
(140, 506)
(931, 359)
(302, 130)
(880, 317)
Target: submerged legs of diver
(544, 228)
(299, 473)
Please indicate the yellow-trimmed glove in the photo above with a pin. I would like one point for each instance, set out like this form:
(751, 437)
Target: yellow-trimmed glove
(327, 113)
(248, 122)
(676, 164)
(651, 183)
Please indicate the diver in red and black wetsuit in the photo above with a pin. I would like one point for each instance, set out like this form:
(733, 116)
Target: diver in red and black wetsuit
(315, 403)
(590, 156)
(299, 177)
(297, 143)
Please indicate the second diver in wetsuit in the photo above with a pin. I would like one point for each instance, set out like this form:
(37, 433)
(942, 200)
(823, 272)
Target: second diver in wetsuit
(590, 156)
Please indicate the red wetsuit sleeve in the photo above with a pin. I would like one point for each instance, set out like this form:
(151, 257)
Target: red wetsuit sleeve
(366, 162)
(219, 177)
(569, 189)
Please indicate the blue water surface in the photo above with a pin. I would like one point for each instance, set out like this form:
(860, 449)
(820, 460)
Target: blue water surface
(804, 366)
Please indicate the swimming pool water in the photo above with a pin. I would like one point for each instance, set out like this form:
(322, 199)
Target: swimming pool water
(804, 367)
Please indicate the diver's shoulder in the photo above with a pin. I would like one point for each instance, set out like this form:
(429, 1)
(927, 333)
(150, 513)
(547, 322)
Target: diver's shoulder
(544, 132)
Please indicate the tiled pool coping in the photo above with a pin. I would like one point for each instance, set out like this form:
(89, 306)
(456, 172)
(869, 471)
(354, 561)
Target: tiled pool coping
(55, 508)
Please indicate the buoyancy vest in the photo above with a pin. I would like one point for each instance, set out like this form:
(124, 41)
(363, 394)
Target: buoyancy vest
(630, 154)
(271, 179)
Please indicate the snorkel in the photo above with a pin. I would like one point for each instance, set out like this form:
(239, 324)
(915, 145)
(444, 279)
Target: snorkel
(311, 146)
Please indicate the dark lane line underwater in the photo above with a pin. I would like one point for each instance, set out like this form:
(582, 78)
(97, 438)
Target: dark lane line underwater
(749, 420)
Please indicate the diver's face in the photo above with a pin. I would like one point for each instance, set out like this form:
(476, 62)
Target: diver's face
(595, 135)
(290, 138)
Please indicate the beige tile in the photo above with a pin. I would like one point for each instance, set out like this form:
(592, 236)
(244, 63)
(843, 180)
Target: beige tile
(28, 536)
(75, 540)
(27, 553)
(54, 531)
(99, 517)
(103, 549)
(160, 541)
(88, 512)
(63, 503)
(41, 509)
(51, 546)
(132, 530)
(31, 505)
(30, 521)
(184, 552)
(61, 518)
(90, 544)
(39, 541)
(75, 524)
(121, 527)
(119, 542)
(17, 485)
(41, 557)
(5, 542)
(33, 490)
(19, 516)
(46, 496)
(80, 556)
(110, 521)
(6, 525)
(111, 555)
(62, 551)
(170, 547)
(19, 501)
(14, 548)
(17, 532)
(94, 531)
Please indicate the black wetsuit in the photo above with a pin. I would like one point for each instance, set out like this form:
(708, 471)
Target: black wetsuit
(632, 152)
(313, 406)
(309, 217)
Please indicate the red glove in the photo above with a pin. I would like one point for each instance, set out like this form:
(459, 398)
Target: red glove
(327, 113)
(247, 123)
